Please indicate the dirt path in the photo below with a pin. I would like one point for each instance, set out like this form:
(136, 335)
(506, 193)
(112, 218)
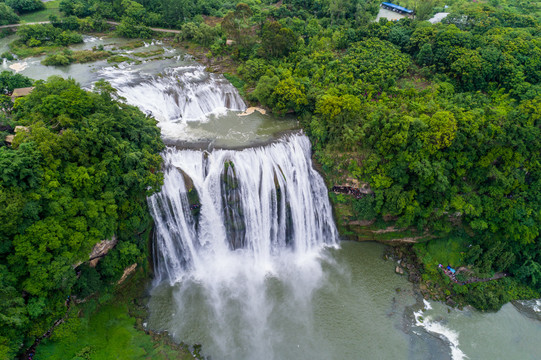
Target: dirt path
(472, 279)
(11, 26)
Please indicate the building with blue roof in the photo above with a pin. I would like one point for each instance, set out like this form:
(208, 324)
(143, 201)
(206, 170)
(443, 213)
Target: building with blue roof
(396, 8)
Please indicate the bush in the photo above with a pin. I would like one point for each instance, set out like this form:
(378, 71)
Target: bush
(88, 283)
(25, 6)
(36, 35)
(129, 28)
(7, 55)
(57, 59)
(365, 207)
(7, 15)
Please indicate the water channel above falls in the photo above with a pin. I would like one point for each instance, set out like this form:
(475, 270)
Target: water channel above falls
(248, 262)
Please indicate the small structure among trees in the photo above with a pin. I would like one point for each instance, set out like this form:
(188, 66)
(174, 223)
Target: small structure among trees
(20, 92)
(396, 8)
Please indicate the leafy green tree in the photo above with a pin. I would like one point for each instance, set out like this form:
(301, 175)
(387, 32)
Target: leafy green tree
(24, 6)
(10, 81)
(236, 25)
(277, 41)
(7, 16)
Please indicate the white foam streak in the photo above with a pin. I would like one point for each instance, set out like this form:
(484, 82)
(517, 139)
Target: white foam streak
(441, 331)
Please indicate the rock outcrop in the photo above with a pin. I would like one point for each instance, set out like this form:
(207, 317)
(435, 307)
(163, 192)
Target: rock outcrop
(101, 249)
(127, 272)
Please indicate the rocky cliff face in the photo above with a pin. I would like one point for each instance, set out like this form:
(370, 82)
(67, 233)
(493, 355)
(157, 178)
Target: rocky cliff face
(101, 249)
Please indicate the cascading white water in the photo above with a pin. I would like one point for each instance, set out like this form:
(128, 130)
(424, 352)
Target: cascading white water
(180, 94)
(231, 226)
(260, 201)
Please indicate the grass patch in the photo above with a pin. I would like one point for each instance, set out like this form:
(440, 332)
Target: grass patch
(133, 45)
(84, 56)
(51, 8)
(118, 59)
(445, 251)
(109, 328)
(24, 51)
(68, 57)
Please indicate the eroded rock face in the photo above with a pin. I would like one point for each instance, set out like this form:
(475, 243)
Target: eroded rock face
(127, 272)
(101, 249)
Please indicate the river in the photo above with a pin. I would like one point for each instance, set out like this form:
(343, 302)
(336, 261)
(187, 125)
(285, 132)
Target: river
(247, 259)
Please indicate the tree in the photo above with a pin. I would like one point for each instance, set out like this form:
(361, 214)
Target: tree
(441, 131)
(235, 23)
(277, 41)
(289, 95)
(24, 6)
(7, 16)
(10, 81)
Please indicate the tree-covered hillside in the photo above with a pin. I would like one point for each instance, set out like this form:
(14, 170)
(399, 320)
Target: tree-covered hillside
(79, 173)
(441, 121)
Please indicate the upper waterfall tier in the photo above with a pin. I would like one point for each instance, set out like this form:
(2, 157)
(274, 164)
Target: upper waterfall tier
(181, 94)
(194, 108)
(260, 202)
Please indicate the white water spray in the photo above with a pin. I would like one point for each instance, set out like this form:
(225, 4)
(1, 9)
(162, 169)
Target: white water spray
(178, 95)
(261, 202)
(259, 220)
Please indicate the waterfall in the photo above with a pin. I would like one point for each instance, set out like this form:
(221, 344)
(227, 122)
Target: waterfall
(180, 94)
(261, 202)
(239, 234)
(239, 241)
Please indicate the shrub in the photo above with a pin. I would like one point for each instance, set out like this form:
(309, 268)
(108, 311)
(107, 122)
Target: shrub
(7, 15)
(57, 59)
(365, 207)
(24, 6)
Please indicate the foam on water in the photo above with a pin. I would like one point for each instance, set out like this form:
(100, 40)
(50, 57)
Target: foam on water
(439, 329)
(261, 216)
(177, 96)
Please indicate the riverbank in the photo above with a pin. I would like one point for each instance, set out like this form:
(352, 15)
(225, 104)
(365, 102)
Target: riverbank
(356, 219)
(112, 325)
(434, 284)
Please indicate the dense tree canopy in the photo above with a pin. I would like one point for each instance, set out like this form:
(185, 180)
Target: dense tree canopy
(24, 6)
(79, 175)
(7, 15)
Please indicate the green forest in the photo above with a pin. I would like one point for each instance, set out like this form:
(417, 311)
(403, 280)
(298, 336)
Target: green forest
(77, 174)
(441, 121)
